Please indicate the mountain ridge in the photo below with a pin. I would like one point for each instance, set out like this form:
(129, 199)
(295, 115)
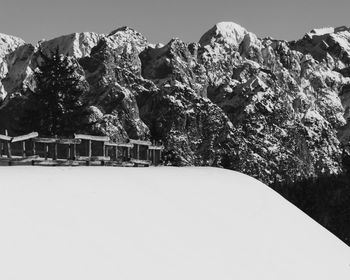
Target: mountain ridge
(273, 109)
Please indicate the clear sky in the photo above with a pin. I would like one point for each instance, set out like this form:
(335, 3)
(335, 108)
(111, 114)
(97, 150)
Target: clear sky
(161, 20)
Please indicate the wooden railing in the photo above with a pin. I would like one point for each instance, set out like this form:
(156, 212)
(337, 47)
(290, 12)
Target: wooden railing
(82, 148)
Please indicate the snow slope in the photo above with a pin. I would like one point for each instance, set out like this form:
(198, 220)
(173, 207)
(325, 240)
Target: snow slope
(157, 223)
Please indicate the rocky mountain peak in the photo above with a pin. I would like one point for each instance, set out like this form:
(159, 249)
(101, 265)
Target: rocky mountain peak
(9, 43)
(124, 29)
(127, 36)
(229, 33)
(75, 44)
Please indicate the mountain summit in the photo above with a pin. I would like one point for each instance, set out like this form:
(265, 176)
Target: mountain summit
(228, 33)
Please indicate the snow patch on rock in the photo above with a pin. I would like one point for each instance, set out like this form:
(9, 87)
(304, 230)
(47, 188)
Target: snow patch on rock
(321, 31)
(327, 30)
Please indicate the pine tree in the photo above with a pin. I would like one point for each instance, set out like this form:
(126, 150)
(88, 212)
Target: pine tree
(56, 106)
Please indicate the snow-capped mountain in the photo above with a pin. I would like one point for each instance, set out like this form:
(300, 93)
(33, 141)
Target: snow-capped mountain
(273, 109)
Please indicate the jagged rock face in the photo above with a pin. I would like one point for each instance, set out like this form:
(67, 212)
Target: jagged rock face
(19, 60)
(8, 44)
(285, 104)
(273, 109)
(113, 109)
(194, 130)
(76, 44)
(327, 44)
(331, 46)
(175, 64)
(20, 72)
(128, 38)
(113, 64)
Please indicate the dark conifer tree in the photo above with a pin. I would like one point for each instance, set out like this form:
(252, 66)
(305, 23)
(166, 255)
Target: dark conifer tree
(56, 106)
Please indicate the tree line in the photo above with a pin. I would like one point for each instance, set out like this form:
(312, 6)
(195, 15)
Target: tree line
(325, 199)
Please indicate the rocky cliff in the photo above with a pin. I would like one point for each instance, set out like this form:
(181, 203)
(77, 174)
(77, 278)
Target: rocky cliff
(273, 109)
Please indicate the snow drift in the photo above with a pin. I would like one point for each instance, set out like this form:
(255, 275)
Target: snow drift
(157, 223)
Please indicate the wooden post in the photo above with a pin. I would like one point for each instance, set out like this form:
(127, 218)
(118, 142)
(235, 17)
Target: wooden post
(24, 148)
(137, 151)
(46, 150)
(115, 153)
(55, 149)
(69, 156)
(103, 150)
(74, 151)
(90, 149)
(34, 150)
(9, 153)
(154, 157)
(54, 157)
(1, 148)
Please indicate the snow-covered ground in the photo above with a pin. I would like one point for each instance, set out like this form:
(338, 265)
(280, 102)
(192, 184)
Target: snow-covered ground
(156, 223)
